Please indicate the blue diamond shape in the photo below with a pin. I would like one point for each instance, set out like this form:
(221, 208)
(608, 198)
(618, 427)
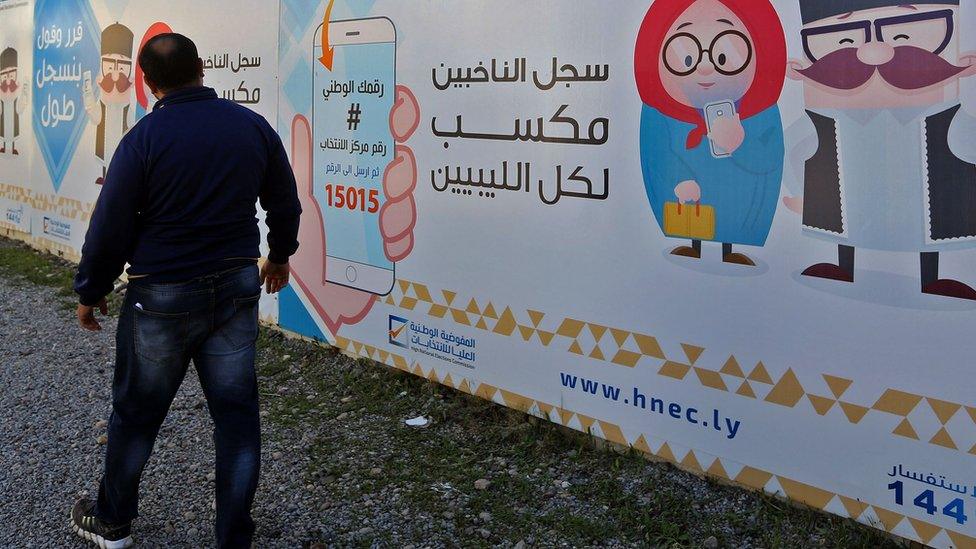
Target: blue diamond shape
(361, 7)
(116, 7)
(297, 15)
(298, 86)
(58, 139)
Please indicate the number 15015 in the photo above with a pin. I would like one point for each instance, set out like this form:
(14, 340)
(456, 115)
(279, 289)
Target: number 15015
(353, 198)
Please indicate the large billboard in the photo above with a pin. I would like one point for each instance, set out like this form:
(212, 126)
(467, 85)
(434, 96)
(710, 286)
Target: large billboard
(734, 234)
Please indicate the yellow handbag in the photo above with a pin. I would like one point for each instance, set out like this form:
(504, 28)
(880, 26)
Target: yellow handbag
(693, 222)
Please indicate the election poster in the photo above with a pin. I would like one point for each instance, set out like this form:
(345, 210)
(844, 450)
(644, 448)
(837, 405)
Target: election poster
(737, 235)
(89, 91)
(16, 30)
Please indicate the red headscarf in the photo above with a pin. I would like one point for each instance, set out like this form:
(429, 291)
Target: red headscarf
(769, 42)
(154, 30)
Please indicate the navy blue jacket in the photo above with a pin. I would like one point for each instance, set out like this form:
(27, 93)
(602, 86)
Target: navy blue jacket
(179, 199)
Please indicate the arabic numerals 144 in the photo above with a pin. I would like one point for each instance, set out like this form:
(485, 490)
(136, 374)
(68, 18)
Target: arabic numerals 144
(955, 509)
(353, 198)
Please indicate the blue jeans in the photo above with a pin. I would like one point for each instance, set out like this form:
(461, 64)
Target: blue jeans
(212, 320)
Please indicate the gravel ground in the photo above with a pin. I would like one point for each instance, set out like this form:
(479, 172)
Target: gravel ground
(340, 468)
(55, 399)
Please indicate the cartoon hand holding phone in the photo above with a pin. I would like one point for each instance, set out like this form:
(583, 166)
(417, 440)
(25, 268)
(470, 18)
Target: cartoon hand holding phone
(725, 131)
(355, 177)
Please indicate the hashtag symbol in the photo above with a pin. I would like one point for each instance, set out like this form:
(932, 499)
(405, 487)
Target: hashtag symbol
(355, 116)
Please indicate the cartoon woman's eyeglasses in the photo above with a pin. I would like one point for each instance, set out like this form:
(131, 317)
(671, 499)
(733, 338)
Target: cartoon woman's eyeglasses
(730, 53)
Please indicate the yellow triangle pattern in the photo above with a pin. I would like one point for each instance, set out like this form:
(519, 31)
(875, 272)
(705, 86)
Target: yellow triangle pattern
(760, 374)
(943, 410)
(732, 368)
(906, 430)
(787, 391)
(943, 439)
(838, 386)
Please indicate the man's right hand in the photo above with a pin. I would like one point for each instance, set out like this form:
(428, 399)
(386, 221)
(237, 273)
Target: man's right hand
(86, 316)
(274, 276)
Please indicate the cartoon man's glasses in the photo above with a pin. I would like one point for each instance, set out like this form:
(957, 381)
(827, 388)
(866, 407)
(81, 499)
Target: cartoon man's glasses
(116, 66)
(8, 76)
(730, 52)
(931, 31)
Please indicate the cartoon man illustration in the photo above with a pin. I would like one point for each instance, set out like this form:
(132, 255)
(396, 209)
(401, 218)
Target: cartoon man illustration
(112, 113)
(884, 159)
(709, 75)
(13, 101)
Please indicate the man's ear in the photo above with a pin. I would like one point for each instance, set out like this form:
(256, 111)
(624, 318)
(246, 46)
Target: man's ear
(150, 84)
(967, 59)
(200, 67)
(793, 68)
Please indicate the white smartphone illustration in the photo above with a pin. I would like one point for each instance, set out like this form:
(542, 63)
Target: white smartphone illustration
(88, 81)
(712, 112)
(352, 146)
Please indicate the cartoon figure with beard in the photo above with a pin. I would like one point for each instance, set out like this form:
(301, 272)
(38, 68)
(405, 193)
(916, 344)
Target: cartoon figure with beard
(13, 101)
(111, 114)
(885, 158)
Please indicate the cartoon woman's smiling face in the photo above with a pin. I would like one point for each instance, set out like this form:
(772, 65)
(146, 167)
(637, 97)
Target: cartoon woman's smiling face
(708, 56)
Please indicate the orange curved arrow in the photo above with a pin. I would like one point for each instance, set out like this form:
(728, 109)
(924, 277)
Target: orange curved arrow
(328, 52)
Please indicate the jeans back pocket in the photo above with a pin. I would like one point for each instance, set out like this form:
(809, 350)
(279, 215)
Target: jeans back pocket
(241, 331)
(160, 338)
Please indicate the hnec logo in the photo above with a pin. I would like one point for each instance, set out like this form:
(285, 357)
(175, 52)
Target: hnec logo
(399, 334)
(56, 228)
(15, 215)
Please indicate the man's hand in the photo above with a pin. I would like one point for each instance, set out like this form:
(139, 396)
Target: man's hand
(86, 316)
(337, 305)
(274, 276)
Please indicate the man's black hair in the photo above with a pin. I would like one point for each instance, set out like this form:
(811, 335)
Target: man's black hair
(170, 61)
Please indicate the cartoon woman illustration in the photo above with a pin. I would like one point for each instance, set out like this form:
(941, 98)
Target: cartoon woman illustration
(144, 97)
(710, 73)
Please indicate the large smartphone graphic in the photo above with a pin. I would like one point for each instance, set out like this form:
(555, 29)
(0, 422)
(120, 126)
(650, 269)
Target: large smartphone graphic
(352, 146)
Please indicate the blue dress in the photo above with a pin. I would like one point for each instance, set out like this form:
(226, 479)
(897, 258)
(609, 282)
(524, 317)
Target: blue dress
(744, 188)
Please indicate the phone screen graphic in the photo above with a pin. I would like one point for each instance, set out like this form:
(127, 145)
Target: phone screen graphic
(352, 146)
